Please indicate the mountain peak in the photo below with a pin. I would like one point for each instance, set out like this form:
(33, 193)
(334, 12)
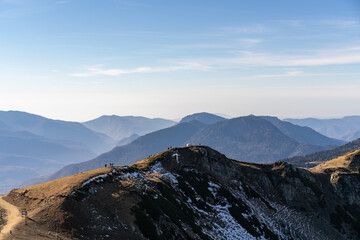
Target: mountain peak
(204, 117)
(190, 156)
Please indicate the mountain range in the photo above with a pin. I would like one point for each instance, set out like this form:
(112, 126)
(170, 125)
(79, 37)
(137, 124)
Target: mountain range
(346, 128)
(118, 127)
(316, 158)
(197, 193)
(32, 145)
(248, 138)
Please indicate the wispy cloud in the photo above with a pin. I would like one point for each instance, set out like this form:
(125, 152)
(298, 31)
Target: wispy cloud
(319, 58)
(293, 73)
(98, 70)
(338, 23)
(319, 22)
(62, 2)
(249, 29)
(350, 55)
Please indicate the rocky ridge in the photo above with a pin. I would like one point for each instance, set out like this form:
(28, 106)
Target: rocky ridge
(195, 193)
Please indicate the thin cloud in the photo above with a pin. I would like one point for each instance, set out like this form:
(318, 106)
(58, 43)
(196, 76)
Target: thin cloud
(62, 2)
(99, 71)
(250, 29)
(338, 23)
(294, 73)
(323, 22)
(319, 58)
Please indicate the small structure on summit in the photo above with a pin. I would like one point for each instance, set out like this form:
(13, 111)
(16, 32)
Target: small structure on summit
(176, 155)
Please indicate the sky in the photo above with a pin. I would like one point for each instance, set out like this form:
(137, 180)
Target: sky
(80, 59)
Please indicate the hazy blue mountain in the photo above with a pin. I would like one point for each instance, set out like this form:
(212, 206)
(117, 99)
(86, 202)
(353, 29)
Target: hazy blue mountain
(127, 140)
(11, 176)
(40, 146)
(56, 129)
(316, 158)
(303, 134)
(252, 139)
(345, 128)
(352, 135)
(35, 155)
(30, 145)
(238, 138)
(142, 147)
(204, 117)
(5, 127)
(118, 127)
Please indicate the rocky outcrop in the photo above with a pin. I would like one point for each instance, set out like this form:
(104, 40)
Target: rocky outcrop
(347, 186)
(198, 193)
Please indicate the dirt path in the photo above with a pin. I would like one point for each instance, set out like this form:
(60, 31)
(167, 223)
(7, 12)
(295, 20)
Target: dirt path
(13, 217)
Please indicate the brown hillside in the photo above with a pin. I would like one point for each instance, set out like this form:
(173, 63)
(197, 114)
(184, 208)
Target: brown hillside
(200, 194)
(349, 162)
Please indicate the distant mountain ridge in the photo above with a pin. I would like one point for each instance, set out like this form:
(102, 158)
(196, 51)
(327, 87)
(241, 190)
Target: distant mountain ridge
(247, 138)
(316, 158)
(346, 128)
(32, 145)
(56, 129)
(120, 127)
(142, 147)
(250, 137)
(127, 140)
(204, 117)
(303, 134)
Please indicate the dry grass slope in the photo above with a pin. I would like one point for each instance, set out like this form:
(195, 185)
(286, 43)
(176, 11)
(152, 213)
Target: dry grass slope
(344, 162)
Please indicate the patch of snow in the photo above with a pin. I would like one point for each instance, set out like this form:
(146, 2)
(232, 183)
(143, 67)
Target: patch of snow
(222, 224)
(157, 167)
(213, 188)
(171, 177)
(228, 227)
(137, 176)
(96, 179)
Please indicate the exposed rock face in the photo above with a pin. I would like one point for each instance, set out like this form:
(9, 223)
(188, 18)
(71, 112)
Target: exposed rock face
(198, 193)
(347, 186)
(344, 176)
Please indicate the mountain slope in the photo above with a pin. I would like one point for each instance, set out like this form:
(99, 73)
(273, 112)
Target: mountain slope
(349, 162)
(119, 127)
(316, 158)
(303, 134)
(339, 128)
(142, 147)
(31, 145)
(198, 195)
(204, 117)
(25, 155)
(246, 138)
(127, 140)
(344, 174)
(251, 138)
(56, 130)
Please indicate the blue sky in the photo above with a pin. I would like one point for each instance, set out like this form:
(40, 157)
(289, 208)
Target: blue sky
(79, 59)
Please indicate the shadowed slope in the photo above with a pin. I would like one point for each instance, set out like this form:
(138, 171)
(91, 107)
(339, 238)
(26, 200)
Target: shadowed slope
(200, 194)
